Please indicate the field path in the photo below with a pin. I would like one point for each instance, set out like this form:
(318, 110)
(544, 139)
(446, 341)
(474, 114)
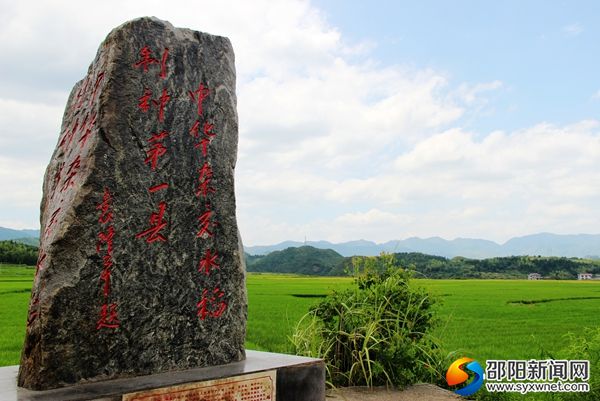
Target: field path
(418, 392)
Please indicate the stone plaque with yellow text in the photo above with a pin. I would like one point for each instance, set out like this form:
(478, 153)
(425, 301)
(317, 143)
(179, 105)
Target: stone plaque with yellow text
(253, 387)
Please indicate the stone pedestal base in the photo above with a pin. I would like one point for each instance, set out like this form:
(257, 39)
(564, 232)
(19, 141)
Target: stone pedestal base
(263, 376)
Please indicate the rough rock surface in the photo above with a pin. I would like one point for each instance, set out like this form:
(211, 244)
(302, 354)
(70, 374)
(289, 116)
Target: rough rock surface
(141, 264)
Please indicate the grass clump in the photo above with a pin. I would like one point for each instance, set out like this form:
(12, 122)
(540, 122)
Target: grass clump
(376, 332)
(585, 347)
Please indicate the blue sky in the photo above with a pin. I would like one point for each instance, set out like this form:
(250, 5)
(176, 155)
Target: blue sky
(377, 120)
(545, 52)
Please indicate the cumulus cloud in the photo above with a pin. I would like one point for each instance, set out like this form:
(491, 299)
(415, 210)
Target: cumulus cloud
(333, 144)
(457, 184)
(48, 46)
(342, 114)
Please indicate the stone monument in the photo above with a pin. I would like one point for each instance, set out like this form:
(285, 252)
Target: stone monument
(141, 269)
(139, 291)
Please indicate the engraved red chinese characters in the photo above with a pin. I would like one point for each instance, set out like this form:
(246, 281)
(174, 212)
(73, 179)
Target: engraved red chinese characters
(206, 138)
(104, 248)
(199, 95)
(71, 173)
(157, 150)
(147, 59)
(205, 176)
(208, 262)
(207, 222)
(157, 224)
(211, 304)
(108, 317)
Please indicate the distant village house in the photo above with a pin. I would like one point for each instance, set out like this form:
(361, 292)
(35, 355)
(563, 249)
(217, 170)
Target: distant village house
(584, 276)
(534, 276)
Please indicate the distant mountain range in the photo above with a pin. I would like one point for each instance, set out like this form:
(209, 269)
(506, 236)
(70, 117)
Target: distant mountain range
(543, 244)
(29, 237)
(9, 233)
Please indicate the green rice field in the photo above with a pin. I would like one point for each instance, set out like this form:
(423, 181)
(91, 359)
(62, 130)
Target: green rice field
(484, 319)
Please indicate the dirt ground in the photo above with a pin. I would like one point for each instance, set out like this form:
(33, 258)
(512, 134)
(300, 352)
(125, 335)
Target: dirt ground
(418, 392)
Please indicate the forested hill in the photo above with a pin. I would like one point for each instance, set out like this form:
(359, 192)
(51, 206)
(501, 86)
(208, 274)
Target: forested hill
(301, 260)
(326, 262)
(18, 253)
(312, 261)
(517, 267)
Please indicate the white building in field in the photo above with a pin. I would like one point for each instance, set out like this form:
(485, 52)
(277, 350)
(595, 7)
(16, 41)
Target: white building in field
(534, 276)
(584, 276)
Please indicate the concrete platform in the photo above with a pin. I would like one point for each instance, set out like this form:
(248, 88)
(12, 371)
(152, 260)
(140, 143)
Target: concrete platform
(298, 379)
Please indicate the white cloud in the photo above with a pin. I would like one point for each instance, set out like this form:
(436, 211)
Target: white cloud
(341, 116)
(455, 184)
(374, 224)
(573, 29)
(26, 125)
(270, 38)
(333, 145)
(43, 60)
(471, 93)
(21, 184)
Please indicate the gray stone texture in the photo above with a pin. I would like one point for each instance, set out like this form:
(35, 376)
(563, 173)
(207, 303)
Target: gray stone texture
(298, 379)
(111, 297)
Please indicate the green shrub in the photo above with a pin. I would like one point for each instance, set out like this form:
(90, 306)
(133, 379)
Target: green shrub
(585, 347)
(375, 333)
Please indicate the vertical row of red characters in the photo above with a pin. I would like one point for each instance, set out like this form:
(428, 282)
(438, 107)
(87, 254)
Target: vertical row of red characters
(72, 146)
(212, 303)
(157, 149)
(108, 311)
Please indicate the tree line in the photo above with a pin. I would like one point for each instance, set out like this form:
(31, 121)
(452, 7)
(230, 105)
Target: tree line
(509, 267)
(17, 253)
(325, 262)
